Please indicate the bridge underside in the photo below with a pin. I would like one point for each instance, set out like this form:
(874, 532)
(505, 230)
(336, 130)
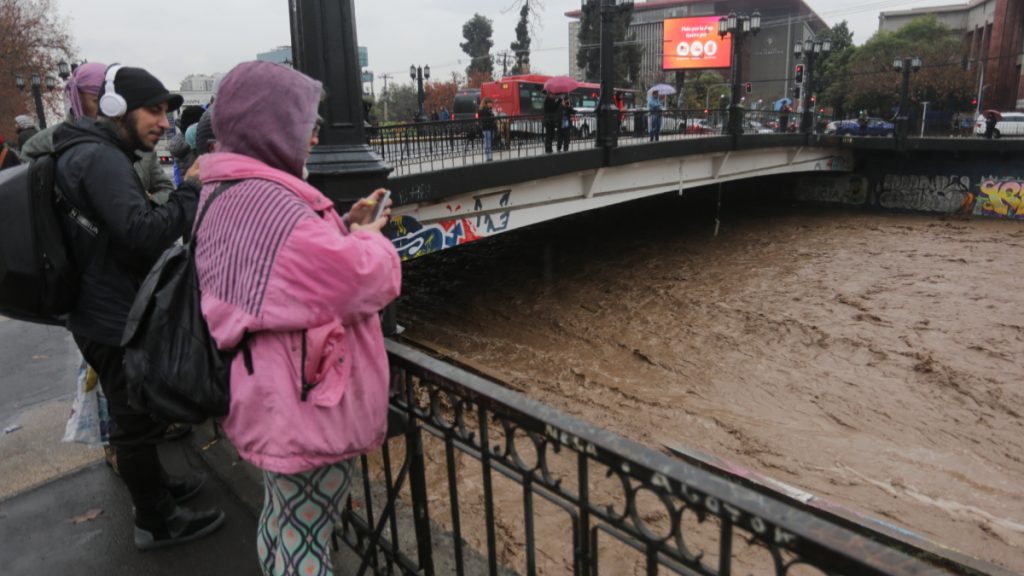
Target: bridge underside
(424, 223)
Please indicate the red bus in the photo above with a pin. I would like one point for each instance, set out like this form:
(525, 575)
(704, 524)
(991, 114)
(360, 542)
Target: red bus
(524, 95)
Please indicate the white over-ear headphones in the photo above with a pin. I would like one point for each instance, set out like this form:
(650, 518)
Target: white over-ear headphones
(112, 104)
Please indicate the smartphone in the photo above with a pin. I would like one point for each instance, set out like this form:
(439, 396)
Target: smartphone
(381, 205)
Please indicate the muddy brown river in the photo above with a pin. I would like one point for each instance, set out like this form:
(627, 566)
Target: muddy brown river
(875, 360)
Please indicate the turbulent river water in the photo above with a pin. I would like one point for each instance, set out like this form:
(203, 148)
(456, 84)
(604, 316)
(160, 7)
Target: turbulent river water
(873, 359)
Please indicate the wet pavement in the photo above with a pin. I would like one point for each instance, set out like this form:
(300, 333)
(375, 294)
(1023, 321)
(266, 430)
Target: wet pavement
(46, 531)
(45, 484)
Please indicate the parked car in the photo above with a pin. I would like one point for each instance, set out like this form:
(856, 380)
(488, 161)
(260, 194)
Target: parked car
(1011, 124)
(875, 127)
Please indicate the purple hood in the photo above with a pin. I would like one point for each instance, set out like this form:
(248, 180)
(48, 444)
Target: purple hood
(267, 111)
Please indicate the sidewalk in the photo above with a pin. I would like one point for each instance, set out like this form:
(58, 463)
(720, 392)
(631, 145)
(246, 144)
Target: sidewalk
(39, 534)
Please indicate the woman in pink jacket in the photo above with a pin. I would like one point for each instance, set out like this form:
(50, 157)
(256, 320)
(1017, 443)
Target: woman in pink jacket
(284, 276)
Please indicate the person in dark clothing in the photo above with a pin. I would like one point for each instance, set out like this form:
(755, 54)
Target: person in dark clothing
(184, 154)
(487, 127)
(26, 128)
(565, 124)
(8, 159)
(98, 179)
(990, 124)
(552, 114)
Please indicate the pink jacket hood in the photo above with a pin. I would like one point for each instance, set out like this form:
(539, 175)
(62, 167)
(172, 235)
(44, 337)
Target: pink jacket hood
(267, 111)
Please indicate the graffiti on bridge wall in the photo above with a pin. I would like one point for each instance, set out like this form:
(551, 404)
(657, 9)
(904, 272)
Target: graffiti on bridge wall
(851, 190)
(413, 239)
(945, 194)
(1003, 197)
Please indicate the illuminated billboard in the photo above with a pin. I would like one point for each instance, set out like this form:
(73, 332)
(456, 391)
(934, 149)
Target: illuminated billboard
(693, 43)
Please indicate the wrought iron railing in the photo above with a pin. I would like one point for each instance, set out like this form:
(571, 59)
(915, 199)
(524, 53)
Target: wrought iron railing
(426, 146)
(477, 478)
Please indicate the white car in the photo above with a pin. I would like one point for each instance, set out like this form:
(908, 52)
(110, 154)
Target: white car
(1011, 124)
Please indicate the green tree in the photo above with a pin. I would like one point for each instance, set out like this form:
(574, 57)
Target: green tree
(705, 89)
(33, 38)
(478, 31)
(521, 45)
(627, 56)
(831, 81)
(874, 86)
(401, 102)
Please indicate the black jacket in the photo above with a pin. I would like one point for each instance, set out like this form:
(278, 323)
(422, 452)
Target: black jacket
(99, 180)
(552, 110)
(487, 120)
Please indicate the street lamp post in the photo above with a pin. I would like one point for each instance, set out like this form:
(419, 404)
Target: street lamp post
(737, 26)
(418, 73)
(607, 112)
(810, 50)
(904, 66)
(36, 85)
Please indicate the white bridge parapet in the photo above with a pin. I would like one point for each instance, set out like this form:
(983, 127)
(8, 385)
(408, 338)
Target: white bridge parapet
(425, 228)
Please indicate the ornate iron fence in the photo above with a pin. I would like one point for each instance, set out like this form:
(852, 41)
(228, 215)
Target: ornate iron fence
(489, 481)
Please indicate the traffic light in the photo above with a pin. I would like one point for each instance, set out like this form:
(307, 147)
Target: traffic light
(812, 99)
(799, 74)
(974, 101)
(747, 87)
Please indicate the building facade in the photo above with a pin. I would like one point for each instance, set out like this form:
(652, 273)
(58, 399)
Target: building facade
(993, 33)
(767, 60)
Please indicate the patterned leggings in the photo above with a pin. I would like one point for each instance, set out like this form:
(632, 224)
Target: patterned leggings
(299, 513)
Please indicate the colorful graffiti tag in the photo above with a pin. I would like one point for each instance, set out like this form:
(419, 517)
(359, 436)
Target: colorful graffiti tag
(945, 194)
(1003, 197)
(413, 239)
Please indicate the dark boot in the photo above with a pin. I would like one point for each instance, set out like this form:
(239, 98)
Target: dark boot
(171, 524)
(183, 488)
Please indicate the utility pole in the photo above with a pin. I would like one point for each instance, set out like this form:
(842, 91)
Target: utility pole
(504, 54)
(384, 94)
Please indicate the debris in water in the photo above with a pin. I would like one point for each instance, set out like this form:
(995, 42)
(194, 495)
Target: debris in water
(12, 428)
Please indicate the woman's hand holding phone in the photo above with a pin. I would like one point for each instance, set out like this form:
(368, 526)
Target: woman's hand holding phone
(372, 212)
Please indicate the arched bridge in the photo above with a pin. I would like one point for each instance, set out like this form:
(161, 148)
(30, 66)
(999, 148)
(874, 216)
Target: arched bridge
(447, 194)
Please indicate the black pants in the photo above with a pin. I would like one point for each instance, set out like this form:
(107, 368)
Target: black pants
(563, 139)
(549, 134)
(133, 433)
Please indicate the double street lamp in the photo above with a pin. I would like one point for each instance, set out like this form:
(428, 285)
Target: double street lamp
(418, 73)
(904, 66)
(737, 26)
(810, 50)
(36, 83)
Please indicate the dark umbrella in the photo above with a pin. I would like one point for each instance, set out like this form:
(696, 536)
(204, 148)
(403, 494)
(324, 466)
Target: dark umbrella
(996, 113)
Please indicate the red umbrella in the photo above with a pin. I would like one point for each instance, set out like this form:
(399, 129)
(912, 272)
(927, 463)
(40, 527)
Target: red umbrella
(997, 114)
(560, 85)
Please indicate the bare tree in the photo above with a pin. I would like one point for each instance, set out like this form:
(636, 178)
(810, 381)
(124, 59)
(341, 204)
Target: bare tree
(33, 38)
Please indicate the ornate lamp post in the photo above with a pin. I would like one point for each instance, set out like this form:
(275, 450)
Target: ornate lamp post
(810, 50)
(607, 112)
(905, 66)
(324, 46)
(36, 83)
(418, 73)
(737, 27)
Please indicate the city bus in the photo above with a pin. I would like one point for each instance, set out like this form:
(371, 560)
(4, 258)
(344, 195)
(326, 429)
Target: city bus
(523, 95)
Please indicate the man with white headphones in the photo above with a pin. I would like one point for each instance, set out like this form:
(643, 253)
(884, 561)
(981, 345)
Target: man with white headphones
(97, 177)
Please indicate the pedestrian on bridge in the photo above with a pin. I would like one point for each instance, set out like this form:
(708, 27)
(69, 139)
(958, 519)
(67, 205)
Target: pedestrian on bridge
(303, 285)
(552, 115)
(488, 127)
(656, 109)
(565, 124)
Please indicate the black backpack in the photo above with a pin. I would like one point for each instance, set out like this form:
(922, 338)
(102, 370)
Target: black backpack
(172, 363)
(38, 281)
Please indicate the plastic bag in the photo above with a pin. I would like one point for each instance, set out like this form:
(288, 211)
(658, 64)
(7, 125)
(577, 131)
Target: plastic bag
(88, 423)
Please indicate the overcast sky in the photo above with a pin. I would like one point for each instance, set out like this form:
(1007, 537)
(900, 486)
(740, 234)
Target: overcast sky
(174, 39)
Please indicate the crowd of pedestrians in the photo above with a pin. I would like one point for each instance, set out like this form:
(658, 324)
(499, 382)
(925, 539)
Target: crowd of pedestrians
(276, 265)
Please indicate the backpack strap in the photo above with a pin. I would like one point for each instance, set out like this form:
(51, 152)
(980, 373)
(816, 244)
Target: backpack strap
(202, 213)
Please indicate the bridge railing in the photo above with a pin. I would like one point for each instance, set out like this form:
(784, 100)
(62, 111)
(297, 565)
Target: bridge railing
(427, 146)
(476, 478)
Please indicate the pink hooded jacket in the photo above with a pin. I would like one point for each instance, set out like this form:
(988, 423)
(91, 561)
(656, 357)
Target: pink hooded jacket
(277, 264)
